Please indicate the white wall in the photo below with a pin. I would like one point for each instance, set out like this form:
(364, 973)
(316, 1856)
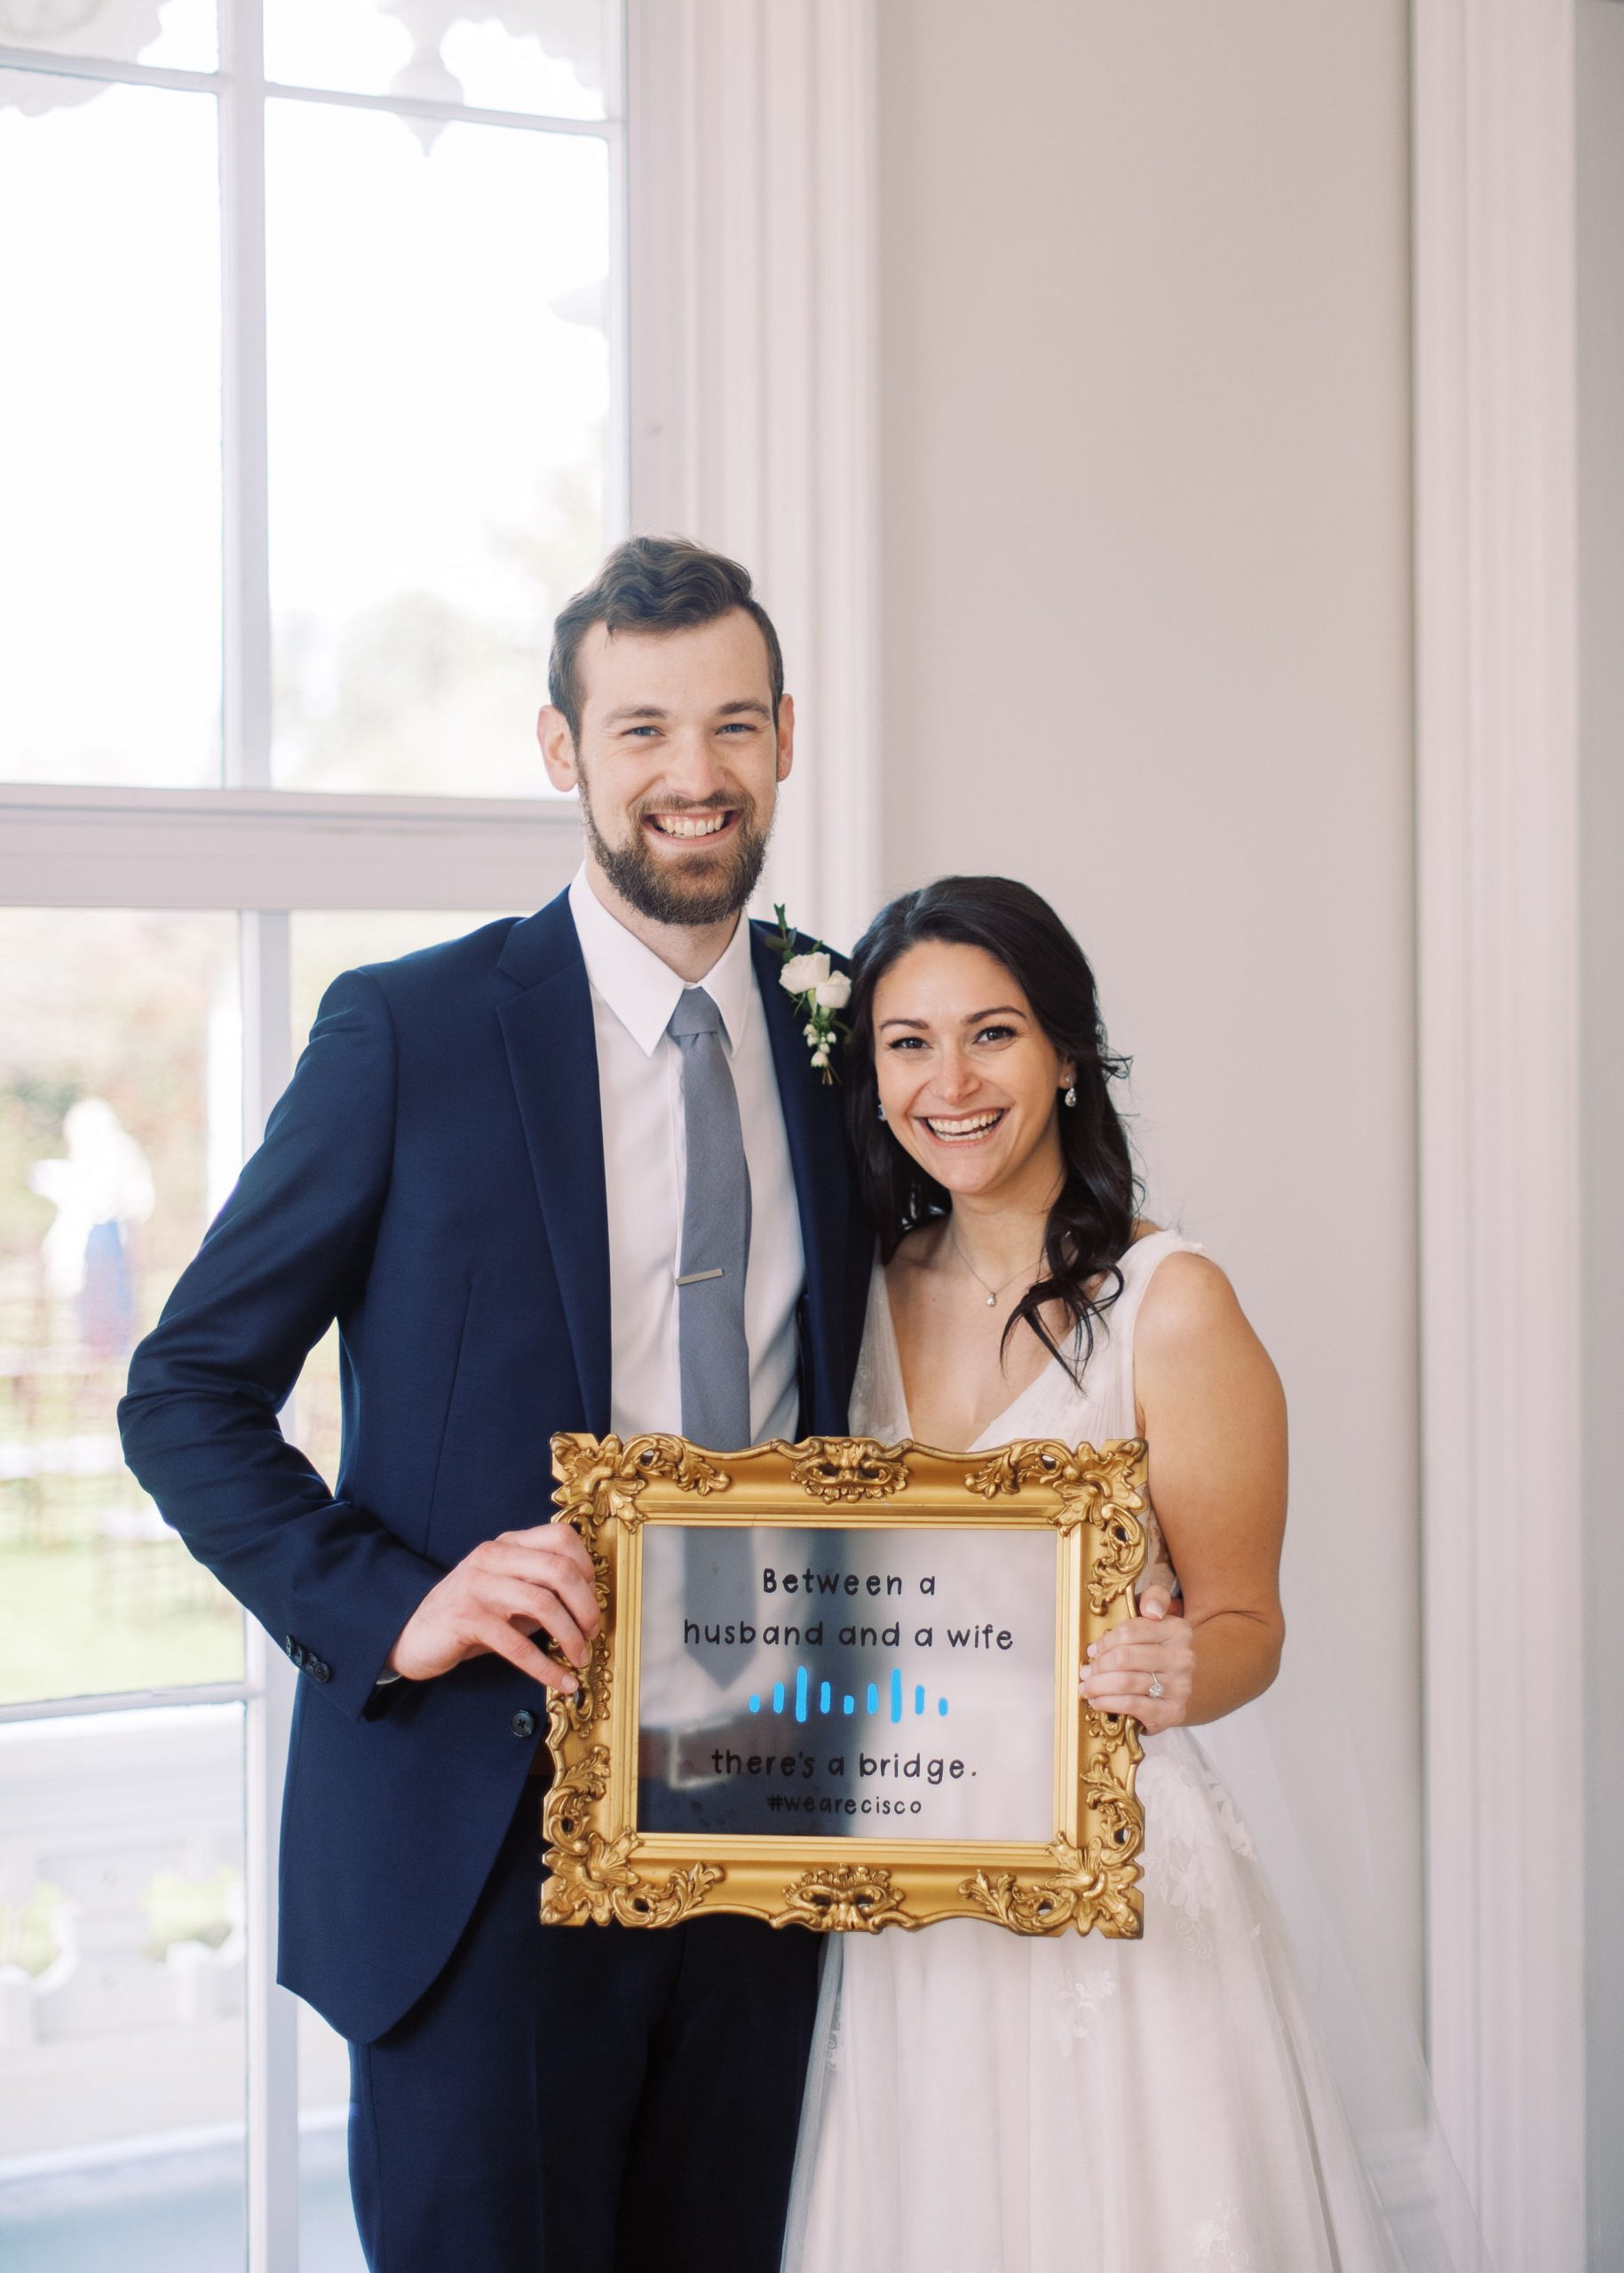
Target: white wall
(1600, 28)
(1146, 644)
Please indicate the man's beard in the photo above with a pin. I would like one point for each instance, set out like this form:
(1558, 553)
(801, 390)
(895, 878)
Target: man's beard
(703, 891)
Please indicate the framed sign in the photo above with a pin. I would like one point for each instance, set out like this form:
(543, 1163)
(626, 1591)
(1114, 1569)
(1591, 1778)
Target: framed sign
(835, 1686)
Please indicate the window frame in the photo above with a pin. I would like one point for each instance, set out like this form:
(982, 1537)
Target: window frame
(745, 411)
(246, 846)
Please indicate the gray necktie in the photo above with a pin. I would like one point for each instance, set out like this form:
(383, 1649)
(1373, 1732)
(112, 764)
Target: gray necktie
(713, 1355)
(716, 1235)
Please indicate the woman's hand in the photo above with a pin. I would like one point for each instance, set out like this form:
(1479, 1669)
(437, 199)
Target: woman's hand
(1123, 1664)
(1211, 1409)
(1159, 1586)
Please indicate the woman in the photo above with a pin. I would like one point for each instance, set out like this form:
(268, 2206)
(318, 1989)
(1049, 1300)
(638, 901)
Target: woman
(986, 2102)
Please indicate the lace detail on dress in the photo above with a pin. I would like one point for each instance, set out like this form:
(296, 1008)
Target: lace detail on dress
(1218, 2245)
(833, 2052)
(1184, 1862)
(1078, 2006)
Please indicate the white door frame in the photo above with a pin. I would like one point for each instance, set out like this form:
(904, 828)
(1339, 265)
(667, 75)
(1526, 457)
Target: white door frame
(754, 373)
(1497, 873)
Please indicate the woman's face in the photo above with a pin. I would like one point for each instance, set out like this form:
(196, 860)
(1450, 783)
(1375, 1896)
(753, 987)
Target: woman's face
(969, 1080)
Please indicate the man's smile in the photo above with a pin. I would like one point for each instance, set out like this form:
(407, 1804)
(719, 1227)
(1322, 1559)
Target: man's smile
(710, 826)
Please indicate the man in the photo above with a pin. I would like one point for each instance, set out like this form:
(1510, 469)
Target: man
(574, 1172)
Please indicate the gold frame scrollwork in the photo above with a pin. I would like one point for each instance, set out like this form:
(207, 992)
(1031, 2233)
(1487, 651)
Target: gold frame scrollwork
(600, 1867)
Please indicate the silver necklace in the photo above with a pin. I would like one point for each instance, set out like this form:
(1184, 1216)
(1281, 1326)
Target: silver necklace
(991, 1293)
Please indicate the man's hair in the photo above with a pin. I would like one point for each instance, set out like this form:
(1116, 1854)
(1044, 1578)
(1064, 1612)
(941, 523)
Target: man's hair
(653, 583)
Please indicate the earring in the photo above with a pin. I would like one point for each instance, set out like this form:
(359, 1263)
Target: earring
(1071, 1096)
(879, 1109)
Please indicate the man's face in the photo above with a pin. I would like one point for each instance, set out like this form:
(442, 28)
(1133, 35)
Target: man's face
(677, 763)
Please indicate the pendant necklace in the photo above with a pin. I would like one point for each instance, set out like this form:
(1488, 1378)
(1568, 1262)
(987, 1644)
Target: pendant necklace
(991, 1293)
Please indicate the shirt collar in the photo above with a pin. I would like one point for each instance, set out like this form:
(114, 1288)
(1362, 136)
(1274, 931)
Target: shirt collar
(640, 989)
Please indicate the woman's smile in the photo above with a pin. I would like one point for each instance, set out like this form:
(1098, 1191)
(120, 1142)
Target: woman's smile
(964, 1128)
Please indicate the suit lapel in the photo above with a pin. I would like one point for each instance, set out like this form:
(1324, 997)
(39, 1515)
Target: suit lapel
(552, 1057)
(814, 1126)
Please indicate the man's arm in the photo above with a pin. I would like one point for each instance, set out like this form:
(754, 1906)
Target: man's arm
(199, 1423)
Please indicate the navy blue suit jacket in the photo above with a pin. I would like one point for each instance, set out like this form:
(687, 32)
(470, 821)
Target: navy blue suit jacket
(433, 1180)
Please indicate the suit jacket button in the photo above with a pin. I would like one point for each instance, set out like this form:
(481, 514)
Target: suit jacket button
(295, 1651)
(523, 1724)
(320, 1670)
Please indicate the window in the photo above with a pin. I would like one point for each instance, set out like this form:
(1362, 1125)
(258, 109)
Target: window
(313, 407)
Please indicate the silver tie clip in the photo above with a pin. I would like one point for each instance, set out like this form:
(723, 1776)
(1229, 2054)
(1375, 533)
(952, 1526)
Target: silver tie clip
(694, 1276)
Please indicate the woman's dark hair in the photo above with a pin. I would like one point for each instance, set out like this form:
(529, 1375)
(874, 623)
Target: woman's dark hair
(1092, 1220)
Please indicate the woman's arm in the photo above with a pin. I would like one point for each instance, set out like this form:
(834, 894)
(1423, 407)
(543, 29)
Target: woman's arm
(1211, 1409)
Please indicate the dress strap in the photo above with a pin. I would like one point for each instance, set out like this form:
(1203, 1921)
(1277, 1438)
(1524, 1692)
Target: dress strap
(878, 1405)
(1138, 1267)
(1111, 1389)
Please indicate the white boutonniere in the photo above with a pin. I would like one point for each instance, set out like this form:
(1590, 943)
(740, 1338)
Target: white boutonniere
(820, 989)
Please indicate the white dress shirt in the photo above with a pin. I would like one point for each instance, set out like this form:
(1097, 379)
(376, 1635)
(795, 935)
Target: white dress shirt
(645, 1161)
(639, 1083)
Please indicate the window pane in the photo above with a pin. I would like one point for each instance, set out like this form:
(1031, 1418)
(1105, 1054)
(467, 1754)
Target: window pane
(178, 35)
(109, 434)
(542, 56)
(438, 384)
(329, 2242)
(120, 1135)
(122, 2061)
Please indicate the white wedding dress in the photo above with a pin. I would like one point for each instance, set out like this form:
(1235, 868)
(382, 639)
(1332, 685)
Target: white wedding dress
(983, 2102)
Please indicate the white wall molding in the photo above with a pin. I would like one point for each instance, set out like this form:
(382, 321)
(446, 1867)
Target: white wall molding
(1497, 766)
(754, 372)
(280, 849)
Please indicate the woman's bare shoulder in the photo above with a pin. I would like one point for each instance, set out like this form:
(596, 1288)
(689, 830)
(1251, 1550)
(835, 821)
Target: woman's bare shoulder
(1195, 1348)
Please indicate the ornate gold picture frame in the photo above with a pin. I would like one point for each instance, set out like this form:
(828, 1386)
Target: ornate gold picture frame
(848, 1844)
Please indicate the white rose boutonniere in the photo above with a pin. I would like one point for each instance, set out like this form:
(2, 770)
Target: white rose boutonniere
(820, 989)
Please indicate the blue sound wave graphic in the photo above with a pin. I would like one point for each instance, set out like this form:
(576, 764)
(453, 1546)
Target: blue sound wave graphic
(801, 1709)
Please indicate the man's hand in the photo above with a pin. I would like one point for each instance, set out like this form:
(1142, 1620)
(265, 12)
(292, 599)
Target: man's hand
(524, 1582)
